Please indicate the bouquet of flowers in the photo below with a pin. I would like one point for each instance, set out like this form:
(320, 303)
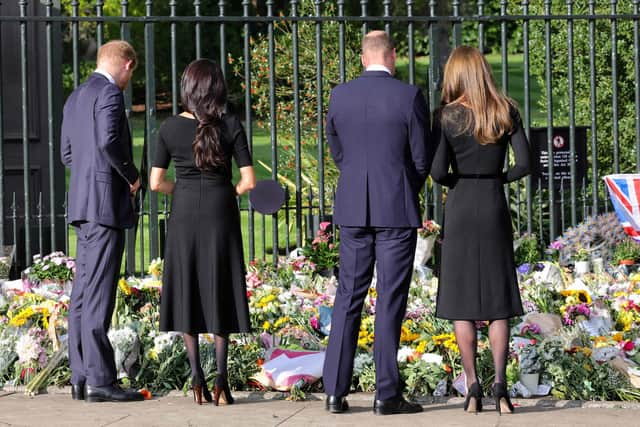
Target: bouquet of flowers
(322, 251)
(126, 346)
(32, 353)
(528, 359)
(427, 236)
(55, 267)
(429, 228)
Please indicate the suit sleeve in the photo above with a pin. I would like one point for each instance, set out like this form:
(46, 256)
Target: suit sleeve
(521, 151)
(335, 147)
(442, 158)
(418, 136)
(108, 111)
(65, 145)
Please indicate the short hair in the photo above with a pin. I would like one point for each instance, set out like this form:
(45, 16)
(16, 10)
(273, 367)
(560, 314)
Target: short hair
(117, 50)
(377, 41)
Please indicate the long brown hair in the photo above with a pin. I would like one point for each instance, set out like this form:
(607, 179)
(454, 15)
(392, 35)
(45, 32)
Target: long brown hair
(204, 94)
(468, 81)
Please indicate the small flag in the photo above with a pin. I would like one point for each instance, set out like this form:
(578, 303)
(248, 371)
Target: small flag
(624, 191)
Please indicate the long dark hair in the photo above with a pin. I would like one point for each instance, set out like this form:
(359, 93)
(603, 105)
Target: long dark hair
(204, 94)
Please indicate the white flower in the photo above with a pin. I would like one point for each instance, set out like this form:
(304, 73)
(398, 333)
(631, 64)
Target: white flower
(163, 341)
(361, 361)
(122, 339)
(28, 348)
(404, 353)
(432, 358)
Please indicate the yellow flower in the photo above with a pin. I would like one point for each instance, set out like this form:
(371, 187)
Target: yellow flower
(266, 325)
(373, 293)
(575, 296)
(124, 287)
(618, 336)
(422, 346)
(281, 321)
(440, 339)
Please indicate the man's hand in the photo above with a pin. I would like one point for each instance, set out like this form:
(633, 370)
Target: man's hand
(134, 187)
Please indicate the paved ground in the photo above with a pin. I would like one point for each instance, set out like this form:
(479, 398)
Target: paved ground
(268, 409)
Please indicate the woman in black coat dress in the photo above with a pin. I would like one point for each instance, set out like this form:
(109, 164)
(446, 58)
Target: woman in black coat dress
(475, 126)
(203, 283)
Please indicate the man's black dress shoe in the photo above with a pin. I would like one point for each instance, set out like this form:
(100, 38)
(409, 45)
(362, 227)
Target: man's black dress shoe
(77, 391)
(110, 393)
(395, 406)
(336, 404)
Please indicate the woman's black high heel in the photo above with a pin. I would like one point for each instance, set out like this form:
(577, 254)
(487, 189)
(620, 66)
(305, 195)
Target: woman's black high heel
(503, 404)
(473, 402)
(224, 392)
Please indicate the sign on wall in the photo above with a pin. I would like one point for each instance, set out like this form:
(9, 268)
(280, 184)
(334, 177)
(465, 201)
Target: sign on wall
(561, 156)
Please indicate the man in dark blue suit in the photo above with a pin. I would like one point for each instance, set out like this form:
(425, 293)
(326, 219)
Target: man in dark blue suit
(378, 134)
(96, 146)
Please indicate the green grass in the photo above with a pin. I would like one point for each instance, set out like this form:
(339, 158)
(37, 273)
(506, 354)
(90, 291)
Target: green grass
(262, 151)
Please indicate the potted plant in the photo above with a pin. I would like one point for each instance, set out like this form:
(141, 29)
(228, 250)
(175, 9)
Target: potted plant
(626, 253)
(427, 235)
(581, 261)
(530, 367)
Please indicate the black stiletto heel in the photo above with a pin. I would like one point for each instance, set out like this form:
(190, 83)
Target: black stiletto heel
(503, 404)
(473, 402)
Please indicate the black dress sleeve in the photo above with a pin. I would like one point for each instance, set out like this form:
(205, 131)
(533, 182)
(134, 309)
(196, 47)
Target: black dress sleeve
(163, 157)
(241, 152)
(443, 156)
(521, 150)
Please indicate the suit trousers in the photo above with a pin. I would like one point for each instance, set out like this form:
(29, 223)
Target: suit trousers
(99, 255)
(392, 250)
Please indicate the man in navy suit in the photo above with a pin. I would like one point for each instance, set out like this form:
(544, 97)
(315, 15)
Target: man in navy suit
(96, 146)
(378, 134)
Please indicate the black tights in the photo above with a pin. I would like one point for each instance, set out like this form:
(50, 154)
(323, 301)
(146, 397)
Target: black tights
(193, 352)
(467, 339)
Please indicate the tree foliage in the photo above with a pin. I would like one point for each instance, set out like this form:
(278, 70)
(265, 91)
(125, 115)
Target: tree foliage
(581, 78)
(284, 119)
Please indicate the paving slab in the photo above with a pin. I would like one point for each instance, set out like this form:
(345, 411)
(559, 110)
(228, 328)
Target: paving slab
(268, 409)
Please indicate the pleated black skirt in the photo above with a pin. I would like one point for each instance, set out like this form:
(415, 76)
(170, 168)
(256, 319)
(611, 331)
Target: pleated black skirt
(477, 269)
(203, 284)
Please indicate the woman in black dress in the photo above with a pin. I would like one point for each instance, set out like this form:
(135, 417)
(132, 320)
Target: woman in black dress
(475, 125)
(203, 284)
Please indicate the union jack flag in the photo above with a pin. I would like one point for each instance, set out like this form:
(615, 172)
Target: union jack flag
(624, 191)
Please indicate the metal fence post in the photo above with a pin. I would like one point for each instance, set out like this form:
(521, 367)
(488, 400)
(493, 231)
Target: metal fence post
(26, 166)
(319, 109)
(150, 114)
(274, 120)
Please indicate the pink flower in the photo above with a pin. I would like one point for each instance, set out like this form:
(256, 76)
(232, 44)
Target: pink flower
(71, 264)
(628, 346)
(324, 225)
(314, 322)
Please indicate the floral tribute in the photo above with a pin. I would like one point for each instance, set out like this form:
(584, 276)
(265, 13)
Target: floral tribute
(581, 334)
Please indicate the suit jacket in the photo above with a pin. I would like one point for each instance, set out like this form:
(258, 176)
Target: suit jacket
(378, 134)
(96, 145)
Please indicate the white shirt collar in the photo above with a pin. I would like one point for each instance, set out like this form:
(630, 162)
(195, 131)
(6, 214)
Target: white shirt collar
(378, 67)
(107, 75)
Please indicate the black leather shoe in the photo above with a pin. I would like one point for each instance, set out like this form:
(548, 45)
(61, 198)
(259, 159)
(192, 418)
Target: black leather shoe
(395, 406)
(336, 404)
(77, 391)
(110, 393)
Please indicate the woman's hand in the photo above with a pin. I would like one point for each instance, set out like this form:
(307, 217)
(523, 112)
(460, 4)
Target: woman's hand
(247, 180)
(158, 181)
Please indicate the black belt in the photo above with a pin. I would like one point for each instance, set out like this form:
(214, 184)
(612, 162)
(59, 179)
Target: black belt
(480, 176)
